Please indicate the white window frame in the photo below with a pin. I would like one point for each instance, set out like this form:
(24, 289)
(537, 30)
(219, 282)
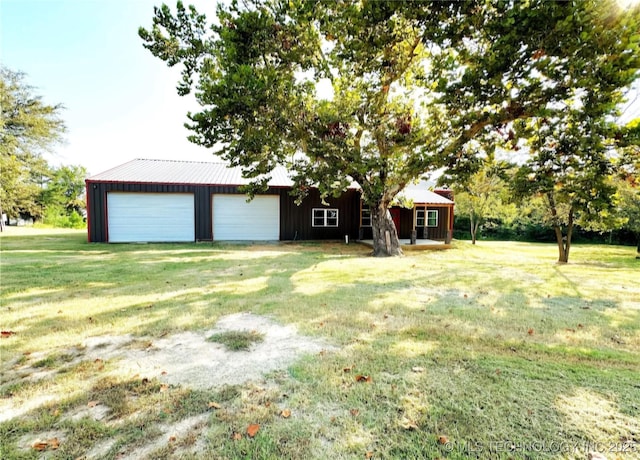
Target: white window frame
(432, 212)
(363, 218)
(426, 215)
(323, 213)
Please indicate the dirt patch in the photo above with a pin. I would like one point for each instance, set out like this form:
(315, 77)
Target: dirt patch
(188, 359)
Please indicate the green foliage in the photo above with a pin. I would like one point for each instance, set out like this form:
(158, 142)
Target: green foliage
(237, 340)
(413, 84)
(57, 216)
(27, 128)
(65, 189)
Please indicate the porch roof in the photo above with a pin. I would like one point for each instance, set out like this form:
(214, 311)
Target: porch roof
(420, 194)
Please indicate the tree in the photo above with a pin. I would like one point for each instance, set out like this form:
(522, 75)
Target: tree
(628, 184)
(28, 127)
(412, 83)
(66, 189)
(572, 169)
(480, 196)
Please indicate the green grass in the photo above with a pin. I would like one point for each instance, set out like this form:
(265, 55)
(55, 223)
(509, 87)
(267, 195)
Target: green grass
(237, 340)
(494, 346)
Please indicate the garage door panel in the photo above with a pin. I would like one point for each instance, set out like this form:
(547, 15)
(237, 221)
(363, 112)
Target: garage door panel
(235, 219)
(152, 217)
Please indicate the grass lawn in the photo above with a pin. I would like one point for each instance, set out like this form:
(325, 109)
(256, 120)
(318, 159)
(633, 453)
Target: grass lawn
(488, 351)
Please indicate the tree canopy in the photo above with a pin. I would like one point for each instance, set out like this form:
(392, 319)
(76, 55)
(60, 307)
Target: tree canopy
(416, 87)
(29, 186)
(28, 127)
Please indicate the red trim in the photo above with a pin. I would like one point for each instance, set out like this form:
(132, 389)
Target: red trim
(106, 216)
(175, 183)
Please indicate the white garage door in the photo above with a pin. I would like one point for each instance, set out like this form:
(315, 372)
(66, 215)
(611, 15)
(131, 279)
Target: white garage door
(160, 217)
(235, 219)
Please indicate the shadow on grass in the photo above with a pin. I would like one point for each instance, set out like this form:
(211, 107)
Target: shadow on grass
(447, 356)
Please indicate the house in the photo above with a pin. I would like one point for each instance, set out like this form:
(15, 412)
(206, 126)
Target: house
(179, 201)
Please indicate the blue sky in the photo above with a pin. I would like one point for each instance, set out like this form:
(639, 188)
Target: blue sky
(120, 101)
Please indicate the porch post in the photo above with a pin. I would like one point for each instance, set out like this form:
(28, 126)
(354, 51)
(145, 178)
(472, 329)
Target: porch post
(413, 227)
(449, 235)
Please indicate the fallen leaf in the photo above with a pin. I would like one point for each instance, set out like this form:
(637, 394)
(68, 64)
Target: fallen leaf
(347, 369)
(286, 413)
(59, 311)
(236, 436)
(368, 454)
(417, 369)
(7, 334)
(580, 326)
(386, 316)
(443, 439)
(93, 403)
(498, 372)
(164, 387)
(39, 445)
(530, 331)
(145, 380)
(364, 378)
(253, 429)
(466, 296)
(322, 352)
(354, 412)
(97, 360)
(570, 330)
(214, 405)
(172, 439)
(163, 373)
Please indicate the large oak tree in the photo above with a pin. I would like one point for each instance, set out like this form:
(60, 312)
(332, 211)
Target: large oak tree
(412, 83)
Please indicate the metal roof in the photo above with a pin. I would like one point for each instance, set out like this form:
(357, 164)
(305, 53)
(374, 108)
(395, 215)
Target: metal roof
(184, 172)
(143, 171)
(420, 194)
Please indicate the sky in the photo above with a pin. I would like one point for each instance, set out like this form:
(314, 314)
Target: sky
(120, 101)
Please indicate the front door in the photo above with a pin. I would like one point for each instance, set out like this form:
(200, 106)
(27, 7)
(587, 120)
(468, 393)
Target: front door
(395, 215)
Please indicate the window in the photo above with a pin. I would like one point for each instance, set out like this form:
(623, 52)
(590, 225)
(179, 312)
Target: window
(431, 218)
(365, 216)
(325, 217)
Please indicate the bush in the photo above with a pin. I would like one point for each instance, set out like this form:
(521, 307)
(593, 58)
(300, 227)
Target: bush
(58, 217)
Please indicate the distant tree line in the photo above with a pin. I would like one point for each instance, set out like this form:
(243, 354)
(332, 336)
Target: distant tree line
(31, 188)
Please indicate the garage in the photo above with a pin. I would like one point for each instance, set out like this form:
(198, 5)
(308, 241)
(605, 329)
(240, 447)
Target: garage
(236, 220)
(152, 217)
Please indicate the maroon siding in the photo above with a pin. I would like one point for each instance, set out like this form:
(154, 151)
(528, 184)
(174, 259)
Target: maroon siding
(295, 221)
(406, 225)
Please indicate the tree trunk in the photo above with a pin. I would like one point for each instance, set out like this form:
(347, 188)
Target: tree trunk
(564, 243)
(385, 236)
(638, 248)
(474, 227)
